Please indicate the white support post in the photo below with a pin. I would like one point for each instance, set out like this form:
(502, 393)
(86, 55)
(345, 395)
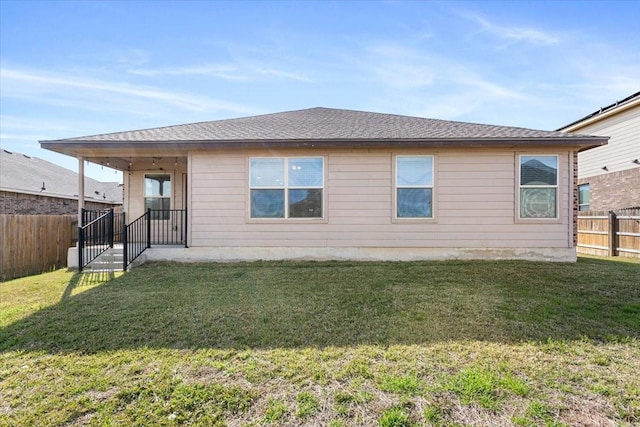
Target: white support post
(80, 188)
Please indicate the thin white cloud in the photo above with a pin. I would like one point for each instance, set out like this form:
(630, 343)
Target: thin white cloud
(227, 72)
(240, 72)
(500, 90)
(35, 128)
(514, 34)
(399, 67)
(465, 79)
(405, 76)
(284, 74)
(69, 89)
(608, 76)
(129, 57)
(20, 137)
(36, 123)
(114, 58)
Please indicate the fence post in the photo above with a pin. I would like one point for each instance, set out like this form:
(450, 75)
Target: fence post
(612, 233)
(125, 249)
(148, 228)
(80, 246)
(111, 228)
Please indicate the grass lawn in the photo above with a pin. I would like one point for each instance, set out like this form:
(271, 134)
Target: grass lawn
(325, 343)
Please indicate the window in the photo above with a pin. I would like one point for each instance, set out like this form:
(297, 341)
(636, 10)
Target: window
(538, 187)
(584, 197)
(286, 187)
(157, 195)
(414, 186)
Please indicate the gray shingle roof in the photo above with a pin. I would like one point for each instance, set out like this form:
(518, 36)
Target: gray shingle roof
(20, 173)
(323, 124)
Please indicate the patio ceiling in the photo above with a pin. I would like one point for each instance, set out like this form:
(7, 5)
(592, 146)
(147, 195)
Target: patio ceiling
(125, 158)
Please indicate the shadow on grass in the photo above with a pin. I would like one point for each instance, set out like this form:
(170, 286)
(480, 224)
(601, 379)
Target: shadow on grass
(317, 304)
(87, 278)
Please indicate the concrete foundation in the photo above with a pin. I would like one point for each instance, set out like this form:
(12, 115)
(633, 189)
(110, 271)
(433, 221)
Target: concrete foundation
(235, 254)
(72, 257)
(238, 254)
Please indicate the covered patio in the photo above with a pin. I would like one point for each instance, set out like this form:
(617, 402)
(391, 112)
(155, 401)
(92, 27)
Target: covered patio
(154, 205)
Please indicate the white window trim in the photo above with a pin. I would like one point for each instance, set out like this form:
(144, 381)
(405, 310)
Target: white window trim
(144, 188)
(557, 218)
(285, 187)
(394, 207)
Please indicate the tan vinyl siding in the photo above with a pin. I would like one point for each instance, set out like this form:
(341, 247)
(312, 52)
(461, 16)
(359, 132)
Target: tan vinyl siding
(134, 191)
(623, 147)
(474, 203)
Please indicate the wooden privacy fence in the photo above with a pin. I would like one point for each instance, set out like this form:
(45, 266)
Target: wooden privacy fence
(613, 233)
(33, 244)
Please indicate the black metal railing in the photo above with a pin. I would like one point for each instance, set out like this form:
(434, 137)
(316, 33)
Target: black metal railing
(168, 226)
(94, 237)
(102, 228)
(154, 227)
(136, 238)
(91, 215)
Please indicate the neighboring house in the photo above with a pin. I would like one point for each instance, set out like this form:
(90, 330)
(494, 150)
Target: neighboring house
(29, 185)
(325, 183)
(609, 176)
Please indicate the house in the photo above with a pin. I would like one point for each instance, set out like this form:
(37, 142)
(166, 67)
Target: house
(325, 183)
(29, 185)
(609, 176)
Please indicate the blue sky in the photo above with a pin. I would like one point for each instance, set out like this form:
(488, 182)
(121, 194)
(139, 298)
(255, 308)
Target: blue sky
(80, 68)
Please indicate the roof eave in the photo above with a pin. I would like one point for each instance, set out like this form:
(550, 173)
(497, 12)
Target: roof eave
(603, 113)
(77, 146)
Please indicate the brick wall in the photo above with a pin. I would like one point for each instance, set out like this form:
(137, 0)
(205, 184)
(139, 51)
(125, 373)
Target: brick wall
(34, 204)
(614, 190)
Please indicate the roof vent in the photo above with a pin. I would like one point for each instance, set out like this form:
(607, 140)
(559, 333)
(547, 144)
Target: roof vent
(8, 152)
(26, 156)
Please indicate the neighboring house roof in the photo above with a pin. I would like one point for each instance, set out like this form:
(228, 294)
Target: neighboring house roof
(603, 113)
(20, 173)
(324, 127)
